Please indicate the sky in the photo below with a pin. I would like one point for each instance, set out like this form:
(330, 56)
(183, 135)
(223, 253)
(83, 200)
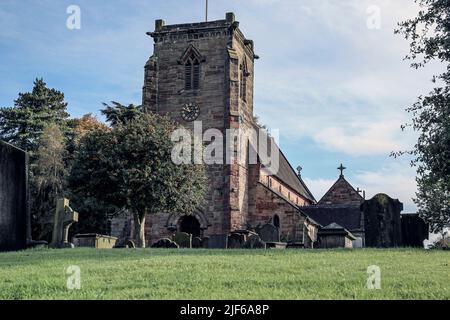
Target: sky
(331, 75)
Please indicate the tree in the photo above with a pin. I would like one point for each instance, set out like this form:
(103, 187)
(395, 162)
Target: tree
(118, 113)
(49, 177)
(130, 166)
(429, 35)
(22, 124)
(94, 213)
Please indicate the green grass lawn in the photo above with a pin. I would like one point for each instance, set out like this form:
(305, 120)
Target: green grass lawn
(225, 274)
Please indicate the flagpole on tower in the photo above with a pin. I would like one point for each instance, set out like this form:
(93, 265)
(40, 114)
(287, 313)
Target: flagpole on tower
(206, 12)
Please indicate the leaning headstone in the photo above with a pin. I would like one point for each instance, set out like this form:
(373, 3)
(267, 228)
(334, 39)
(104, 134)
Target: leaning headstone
(236, 241)
(254, 242)
(218, 241)
(269, 233)
(63, 220)
(15, 229)
(183, 239)
(165, 243)
(197, 243)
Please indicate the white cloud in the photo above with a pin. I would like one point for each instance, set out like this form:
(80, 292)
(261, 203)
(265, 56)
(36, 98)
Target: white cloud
(328, 77)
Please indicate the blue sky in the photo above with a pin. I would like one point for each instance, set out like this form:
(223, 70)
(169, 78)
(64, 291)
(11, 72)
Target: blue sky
(335, 88)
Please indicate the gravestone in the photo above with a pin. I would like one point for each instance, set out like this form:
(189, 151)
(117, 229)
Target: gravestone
(382, 221)
(165, 243)
(254, 242)
(63, 220)
(197, 243)
(15, 228)
(130, 244)
(218, 241)
(236, 240)
(183, 239)
(269, 233)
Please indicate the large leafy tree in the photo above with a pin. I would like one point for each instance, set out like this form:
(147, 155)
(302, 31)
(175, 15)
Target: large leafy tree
(130, 166)
(23, 124)
(429, 36)
(93, 212)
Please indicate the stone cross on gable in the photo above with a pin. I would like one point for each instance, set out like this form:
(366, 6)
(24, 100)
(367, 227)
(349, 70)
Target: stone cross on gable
(342, 168)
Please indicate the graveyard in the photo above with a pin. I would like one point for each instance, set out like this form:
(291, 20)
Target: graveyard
(195, 274)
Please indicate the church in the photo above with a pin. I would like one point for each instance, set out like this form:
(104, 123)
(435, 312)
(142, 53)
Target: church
(205, 72)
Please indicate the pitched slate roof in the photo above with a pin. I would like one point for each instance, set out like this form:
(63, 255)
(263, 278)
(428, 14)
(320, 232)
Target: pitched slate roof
(341, 193)
(333, 226)
(346, 216)
(287, 174)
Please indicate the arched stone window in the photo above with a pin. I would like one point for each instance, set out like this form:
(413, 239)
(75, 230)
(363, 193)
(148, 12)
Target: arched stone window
(192, 74)
(191, 60)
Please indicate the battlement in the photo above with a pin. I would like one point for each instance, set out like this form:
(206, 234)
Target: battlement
(198, 30)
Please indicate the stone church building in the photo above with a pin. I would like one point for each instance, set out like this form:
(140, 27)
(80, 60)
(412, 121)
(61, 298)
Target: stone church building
(205, 72)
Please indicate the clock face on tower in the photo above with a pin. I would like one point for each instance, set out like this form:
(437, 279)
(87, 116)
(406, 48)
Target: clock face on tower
(190, 112)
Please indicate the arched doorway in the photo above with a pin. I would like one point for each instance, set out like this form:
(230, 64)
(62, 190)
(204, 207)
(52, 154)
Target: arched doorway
(190, 224)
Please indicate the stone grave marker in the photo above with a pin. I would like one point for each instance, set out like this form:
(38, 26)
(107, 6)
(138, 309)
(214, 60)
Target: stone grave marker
(165, 243)
(269, 233)
(218, 241)
(254, 242)
(197, 243)
(236, 241)
(183, 239)
(63, 220)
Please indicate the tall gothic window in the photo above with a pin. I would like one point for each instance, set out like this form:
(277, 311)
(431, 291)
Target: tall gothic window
(192, 74)
(191, 60)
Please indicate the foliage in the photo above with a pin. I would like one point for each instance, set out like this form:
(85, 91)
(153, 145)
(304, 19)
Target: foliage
(22, 124)
(130, 167)
(120, 114)
(49, 179)
(39, 124)
(93, 213)
(429, 34)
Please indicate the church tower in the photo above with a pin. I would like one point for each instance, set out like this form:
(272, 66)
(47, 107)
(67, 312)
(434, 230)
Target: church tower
(203, 72)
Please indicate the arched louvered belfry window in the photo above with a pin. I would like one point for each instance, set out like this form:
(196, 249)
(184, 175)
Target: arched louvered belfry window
(192, 60)
(192, 74)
